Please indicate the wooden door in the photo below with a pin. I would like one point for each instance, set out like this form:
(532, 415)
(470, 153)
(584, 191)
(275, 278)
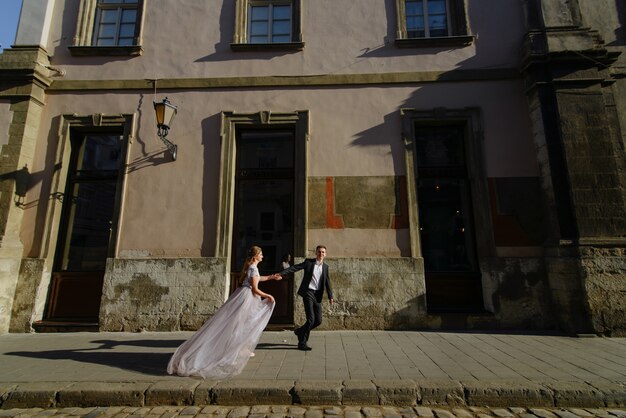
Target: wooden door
(88, 215)
(264, 210)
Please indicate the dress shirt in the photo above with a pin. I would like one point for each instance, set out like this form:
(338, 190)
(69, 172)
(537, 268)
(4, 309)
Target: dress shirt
(317, 274)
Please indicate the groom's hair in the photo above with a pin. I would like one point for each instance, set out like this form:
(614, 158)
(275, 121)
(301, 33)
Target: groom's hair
(320, 246)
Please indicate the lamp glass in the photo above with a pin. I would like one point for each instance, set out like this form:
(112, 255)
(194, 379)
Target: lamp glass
(165, 112)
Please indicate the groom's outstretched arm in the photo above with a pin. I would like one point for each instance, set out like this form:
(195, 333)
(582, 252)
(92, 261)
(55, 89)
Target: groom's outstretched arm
(293, 269)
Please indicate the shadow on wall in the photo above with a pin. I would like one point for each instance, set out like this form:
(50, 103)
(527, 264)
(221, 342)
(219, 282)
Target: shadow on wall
(428, 96)
(223, 51)
(411, 316)
(210, 182)
(620, 33)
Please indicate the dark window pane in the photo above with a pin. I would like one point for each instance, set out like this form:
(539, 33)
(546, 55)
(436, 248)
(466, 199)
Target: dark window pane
(264, 217)
(259, 13)
(272, 149)
(437, 23)
(259, 39)
(258, 28)
(90, 226)
(439, 146)
(108, 16)
(127, 30)
(106, 31)
(445, 225)
(101, 152)
(281, 28)
(126, 41)
(436, 7)
(129, 16)
(282, 12)
(413, 7)
(281, 38)
(415, 23)
(438, 33)
(105, 42)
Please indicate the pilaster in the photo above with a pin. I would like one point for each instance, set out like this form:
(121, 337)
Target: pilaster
(24, 75)
(567, 73)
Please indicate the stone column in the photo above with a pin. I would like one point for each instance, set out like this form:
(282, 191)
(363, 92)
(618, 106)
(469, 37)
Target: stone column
(577, 135)
(24, 76)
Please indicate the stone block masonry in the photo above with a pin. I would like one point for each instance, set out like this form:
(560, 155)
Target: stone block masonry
(162, 294)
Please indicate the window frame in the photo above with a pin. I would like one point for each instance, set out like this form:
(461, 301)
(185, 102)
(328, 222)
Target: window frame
(101, 7)
(458, 33)
(471, 119)
(86, 27)
(241, 41)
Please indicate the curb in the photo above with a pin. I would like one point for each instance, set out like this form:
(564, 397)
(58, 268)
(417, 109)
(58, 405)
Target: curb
(188, 391)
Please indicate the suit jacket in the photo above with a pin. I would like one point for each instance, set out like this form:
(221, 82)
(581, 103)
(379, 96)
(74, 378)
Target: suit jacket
(308, 265)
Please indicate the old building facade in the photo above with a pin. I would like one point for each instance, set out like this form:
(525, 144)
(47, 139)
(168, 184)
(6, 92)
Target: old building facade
(463, 161)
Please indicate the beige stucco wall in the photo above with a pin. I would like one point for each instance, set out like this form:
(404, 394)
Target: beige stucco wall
(5, 121)
(192, 39)
(170, 207)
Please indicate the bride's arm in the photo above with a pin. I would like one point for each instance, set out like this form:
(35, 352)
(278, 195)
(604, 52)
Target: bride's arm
(257, 291)
(270, 277)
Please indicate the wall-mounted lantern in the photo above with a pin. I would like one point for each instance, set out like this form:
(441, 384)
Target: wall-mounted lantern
(165, 112)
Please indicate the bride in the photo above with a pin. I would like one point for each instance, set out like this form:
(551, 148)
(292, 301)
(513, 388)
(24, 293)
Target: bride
(222, 346)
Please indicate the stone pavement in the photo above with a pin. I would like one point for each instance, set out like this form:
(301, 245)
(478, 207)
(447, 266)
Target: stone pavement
(346, 368)
(281, 411)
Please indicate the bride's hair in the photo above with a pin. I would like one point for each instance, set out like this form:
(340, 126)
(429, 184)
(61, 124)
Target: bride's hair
(252, 252)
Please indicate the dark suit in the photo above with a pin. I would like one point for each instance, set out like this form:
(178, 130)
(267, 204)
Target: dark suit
(312, 299)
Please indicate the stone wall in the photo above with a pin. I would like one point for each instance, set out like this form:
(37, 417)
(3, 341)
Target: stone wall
(162, 294)
(516, 290)
(29, 279)
(372, 293)
(604, 270)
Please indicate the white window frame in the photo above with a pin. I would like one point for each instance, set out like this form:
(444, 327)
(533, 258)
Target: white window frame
(85, 29)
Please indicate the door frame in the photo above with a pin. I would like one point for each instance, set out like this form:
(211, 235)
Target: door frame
(230, 123)
(474, 140)
(71, 124)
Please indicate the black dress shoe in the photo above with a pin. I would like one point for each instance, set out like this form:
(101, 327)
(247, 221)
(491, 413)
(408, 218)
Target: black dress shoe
(304, 347)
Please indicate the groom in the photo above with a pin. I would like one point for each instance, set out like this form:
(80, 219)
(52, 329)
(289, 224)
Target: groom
(315, 280)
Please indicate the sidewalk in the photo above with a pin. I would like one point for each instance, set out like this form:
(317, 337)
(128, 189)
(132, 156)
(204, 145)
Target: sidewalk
(344, 368)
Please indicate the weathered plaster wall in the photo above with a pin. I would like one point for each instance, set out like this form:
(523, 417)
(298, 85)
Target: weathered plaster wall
(161, 294)
(361, 37)
(353, 132)
(373, 293)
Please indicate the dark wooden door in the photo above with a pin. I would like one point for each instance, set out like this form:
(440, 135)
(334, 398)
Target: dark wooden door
(264, 210)
(87, 218)
(448, 244)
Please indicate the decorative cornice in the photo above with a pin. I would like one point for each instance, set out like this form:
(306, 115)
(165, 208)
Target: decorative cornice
(291, 81)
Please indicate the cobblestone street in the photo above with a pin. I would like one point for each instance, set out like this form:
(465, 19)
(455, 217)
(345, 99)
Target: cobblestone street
(280, 411)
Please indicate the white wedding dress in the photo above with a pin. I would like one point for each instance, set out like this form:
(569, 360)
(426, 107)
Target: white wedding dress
(224, 344)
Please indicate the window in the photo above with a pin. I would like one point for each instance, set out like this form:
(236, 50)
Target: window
(116, 23)
(108, 27)
(431, 23)
(264, 24)
(270, 23)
